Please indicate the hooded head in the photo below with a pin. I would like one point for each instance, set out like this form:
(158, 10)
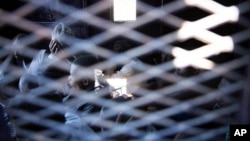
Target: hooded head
(60, 37)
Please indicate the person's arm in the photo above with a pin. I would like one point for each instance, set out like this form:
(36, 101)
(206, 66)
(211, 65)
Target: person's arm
(127, 69)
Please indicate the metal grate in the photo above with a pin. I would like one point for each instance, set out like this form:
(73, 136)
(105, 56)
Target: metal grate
(194, 58)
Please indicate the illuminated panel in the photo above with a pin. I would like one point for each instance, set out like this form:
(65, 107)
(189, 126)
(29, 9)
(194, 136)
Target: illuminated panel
(124, 10)
(118, 85)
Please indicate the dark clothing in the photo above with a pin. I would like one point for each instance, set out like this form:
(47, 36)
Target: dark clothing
(74, 118)
(37, 76)
(7, 131)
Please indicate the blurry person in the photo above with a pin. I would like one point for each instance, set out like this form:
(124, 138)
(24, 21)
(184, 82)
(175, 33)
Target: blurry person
(42, 65)
(19, 57)
(7, 130)
(81, 86)
(125, 71)
(41, 73)
(12, 57)
(60, 37)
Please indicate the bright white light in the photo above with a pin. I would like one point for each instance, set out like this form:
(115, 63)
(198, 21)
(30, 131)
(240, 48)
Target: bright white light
(98, 73)
(124, 10)
(119, 85)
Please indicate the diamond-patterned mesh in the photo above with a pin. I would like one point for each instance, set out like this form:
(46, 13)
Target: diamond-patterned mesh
(193, 55)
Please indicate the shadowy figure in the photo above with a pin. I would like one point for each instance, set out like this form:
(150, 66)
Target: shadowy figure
(81, 86)
(41, 72)
(7, 130)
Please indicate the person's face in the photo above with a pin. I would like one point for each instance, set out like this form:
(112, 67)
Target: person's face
(72, 79)
(75, 78)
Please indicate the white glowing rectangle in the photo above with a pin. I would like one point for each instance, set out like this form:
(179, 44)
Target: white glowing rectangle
(118, 85)
(124, 10)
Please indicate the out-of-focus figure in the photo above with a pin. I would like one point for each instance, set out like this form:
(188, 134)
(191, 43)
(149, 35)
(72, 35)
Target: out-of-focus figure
(43, 64)
(7, 130)
(124, 72)
(44, 70)
(81, 86)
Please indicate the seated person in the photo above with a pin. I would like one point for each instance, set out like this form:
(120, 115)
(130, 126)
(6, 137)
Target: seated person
(42, 69)
(81, 86)
(41, 73)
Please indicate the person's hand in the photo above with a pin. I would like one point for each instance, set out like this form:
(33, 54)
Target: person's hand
(55, 46)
